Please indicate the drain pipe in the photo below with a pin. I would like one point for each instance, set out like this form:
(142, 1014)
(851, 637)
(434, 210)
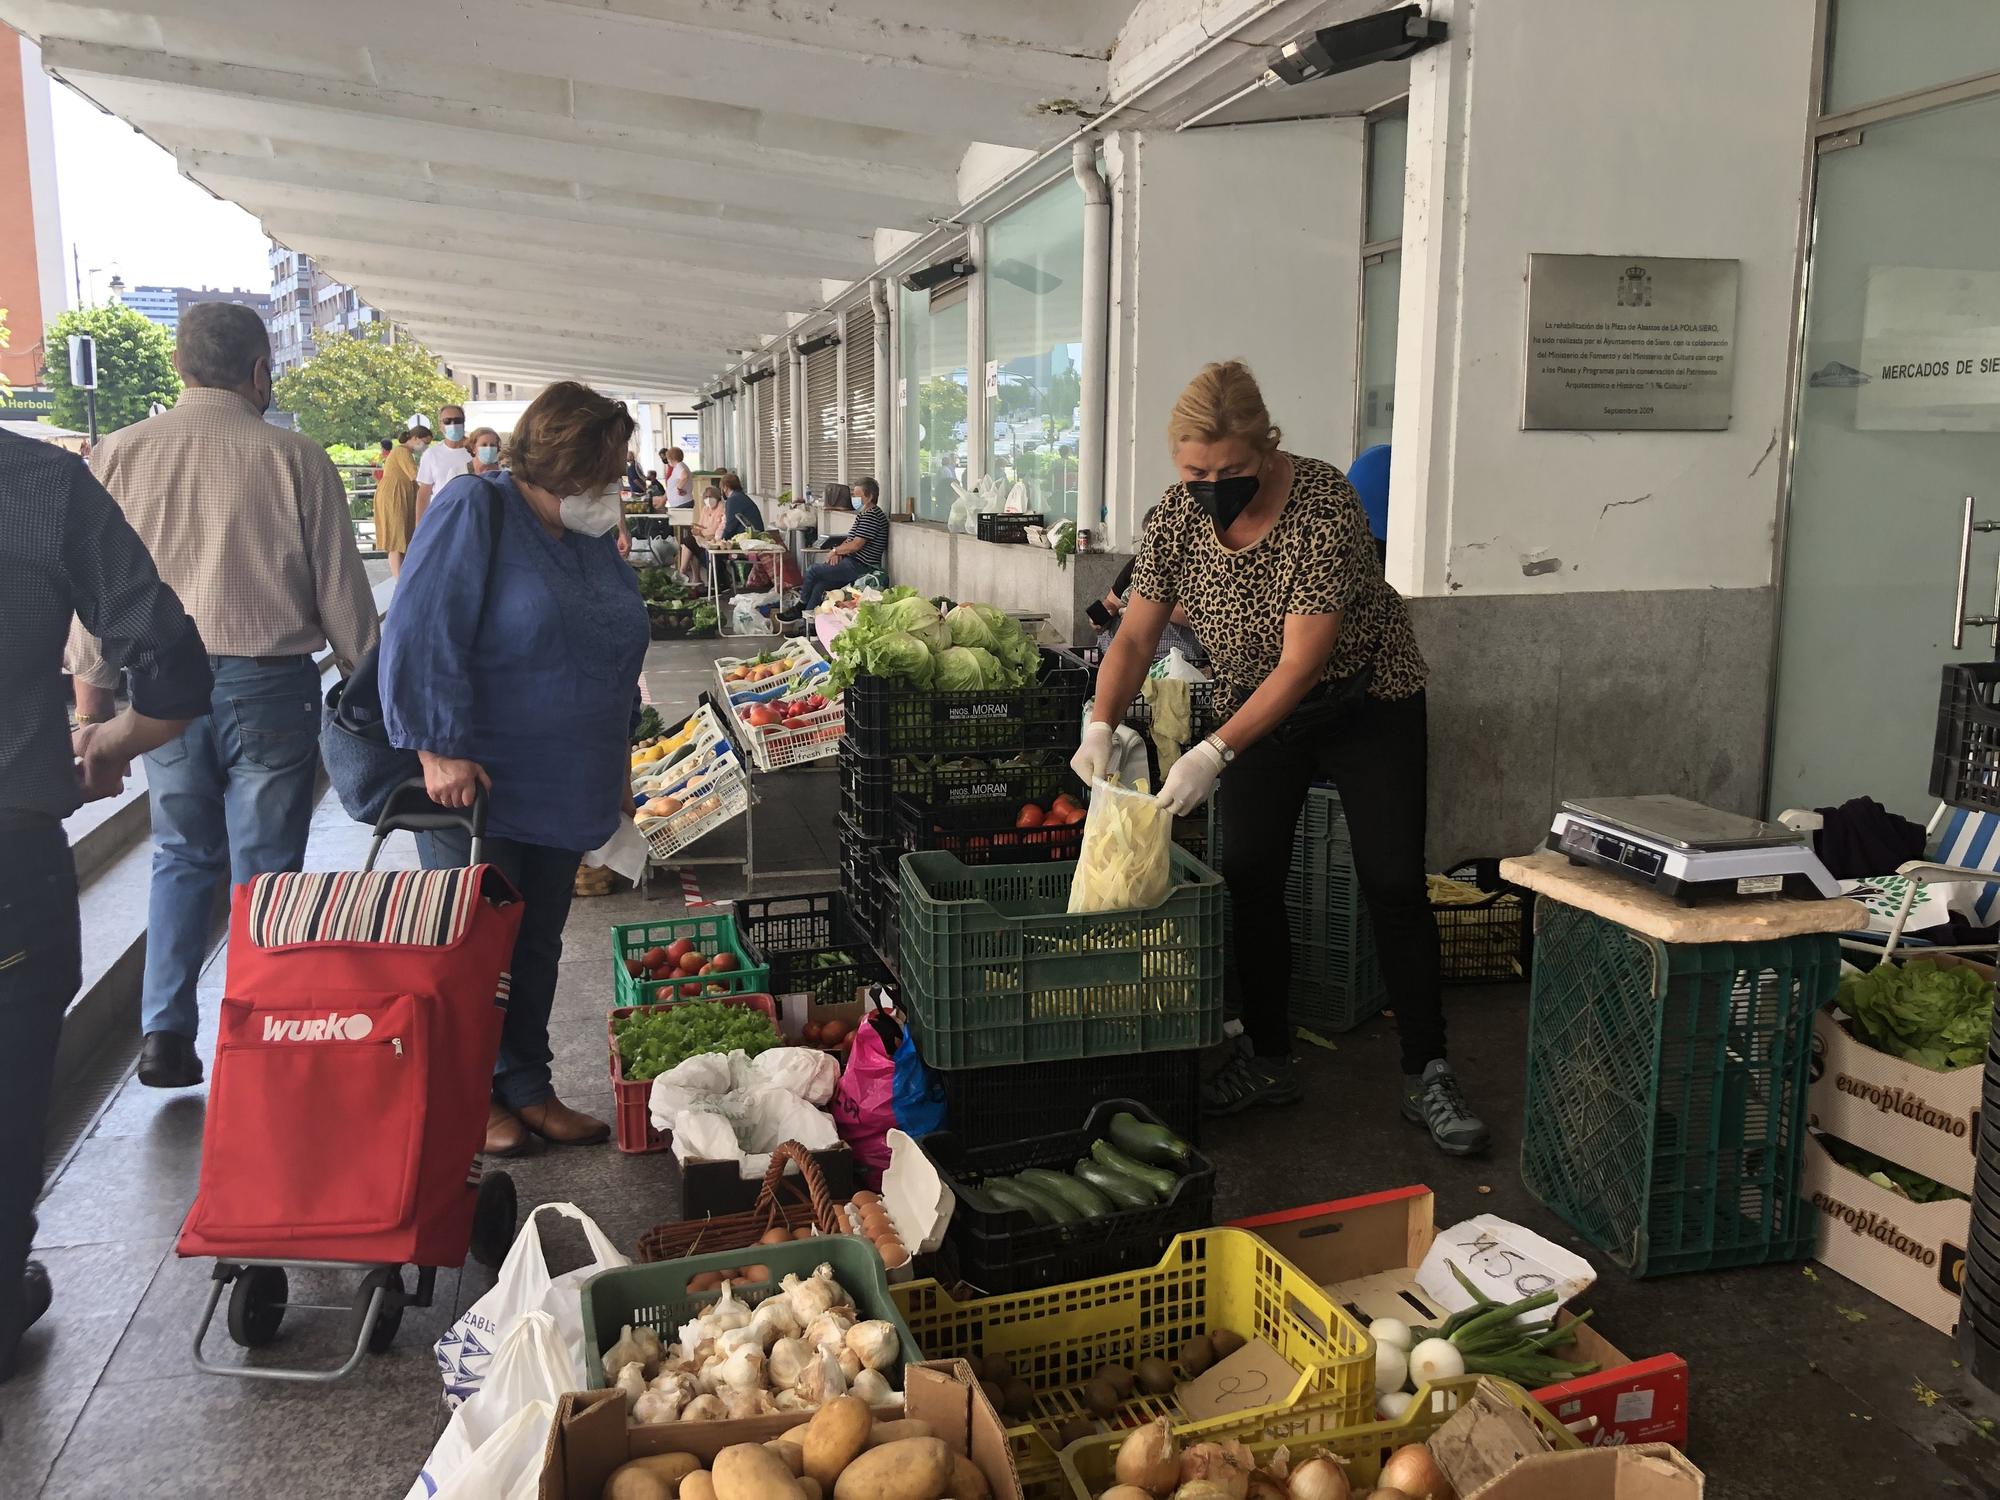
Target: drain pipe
(878, 304)
(1096, 333)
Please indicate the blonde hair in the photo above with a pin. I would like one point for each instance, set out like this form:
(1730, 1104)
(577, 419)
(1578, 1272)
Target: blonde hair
(1222, 402)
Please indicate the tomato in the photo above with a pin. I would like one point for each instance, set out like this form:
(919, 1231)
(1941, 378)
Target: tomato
(690, 992)
(635, 967)
(674, 952)
(1030, 816)
(722, 963)
(656, 958)
(691, 962)
(795, 723)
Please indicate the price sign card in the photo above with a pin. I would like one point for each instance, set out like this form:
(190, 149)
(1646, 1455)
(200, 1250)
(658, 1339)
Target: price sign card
(1504, 1260)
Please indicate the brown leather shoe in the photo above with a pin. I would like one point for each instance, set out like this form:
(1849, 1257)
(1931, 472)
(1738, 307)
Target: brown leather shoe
(505, 1135)
(555, 1122)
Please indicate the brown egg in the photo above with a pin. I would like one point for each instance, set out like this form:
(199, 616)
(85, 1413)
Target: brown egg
(864, 1197)
(777, 1236)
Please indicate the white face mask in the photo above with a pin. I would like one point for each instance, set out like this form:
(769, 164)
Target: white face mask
(592, 514)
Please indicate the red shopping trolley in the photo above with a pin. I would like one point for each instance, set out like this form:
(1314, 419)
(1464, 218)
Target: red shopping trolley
(353, 1069)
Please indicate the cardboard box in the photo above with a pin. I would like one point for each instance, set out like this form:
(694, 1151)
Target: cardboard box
(1911, 1254)
(1917, 1117)
(590, 1437)
(1651, 1471)
(1365, 1252)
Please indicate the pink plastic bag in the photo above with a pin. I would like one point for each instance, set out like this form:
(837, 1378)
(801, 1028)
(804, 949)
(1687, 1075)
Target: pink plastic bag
(864, 1106)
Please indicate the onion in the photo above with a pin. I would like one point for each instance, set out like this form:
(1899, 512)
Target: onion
(1320, 1478)
(1149, 1459)
(1412, 1470)
(1221, 1466)
(1392, 1369)
(1262, 1487)
(1393, 1406)
(1391, 1331)
(1435, 1359)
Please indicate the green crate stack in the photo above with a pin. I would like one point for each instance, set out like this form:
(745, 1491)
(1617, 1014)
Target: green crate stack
(996, 970)
(1666, 1101)
(1336, 972)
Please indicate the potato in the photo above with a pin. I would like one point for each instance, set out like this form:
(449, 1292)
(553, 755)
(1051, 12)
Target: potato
(657, 1476)
(913, 1469)
(1119, 1378)
(838, 1431)
(1197, 1354)
(792, 1453)
(700, 1485)
(967, 1483)
(997, 1368)
(895, 1432)
(1100, 1396)
(809, 1487)
(1156, 1376)
(996, 1397)
(750, 1471)
(1075, 1430)
(1224, 1341)
(1018, 1397)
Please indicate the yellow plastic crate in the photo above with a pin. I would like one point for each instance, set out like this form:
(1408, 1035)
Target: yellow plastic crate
(1057, 1337)
(1087, 1465)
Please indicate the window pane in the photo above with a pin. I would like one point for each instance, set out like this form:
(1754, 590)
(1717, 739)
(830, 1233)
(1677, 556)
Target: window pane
(1381, 284)
(1388, 147)
(1034, 332)
(1877, 49)
(934, 441)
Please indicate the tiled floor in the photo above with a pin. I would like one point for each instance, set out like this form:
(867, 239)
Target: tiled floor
(1791, 1396)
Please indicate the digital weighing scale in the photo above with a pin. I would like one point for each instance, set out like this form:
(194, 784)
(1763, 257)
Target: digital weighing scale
(1689, 851)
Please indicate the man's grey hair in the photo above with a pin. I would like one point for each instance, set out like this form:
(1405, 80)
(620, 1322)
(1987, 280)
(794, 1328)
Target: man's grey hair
(220, 343)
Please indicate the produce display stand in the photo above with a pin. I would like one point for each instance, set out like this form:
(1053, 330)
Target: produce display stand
(711, 785)
(1669, 1055)
(808, 737)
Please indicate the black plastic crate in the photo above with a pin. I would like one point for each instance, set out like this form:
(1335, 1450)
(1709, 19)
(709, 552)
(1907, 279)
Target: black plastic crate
(869, 787)
(1004, 526)
(984, 835)
(1489, 942)
(1001, 1250)
(790, 933)
(1965, 760)
(998, 1106)
(869, 881)
(886, 718)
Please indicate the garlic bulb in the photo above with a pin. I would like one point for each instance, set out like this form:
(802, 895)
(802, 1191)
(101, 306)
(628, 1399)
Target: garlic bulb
(814, 1295)
(658, 1406)
(626, 1351)
(738, 1338)
(827, 1328)
(741, 1371)
(849, 1361)
(871, 1386)
(632, 1381)
(876, 1341)
(822, 1380)
(787, 1362)
(751, 1403)
(675, 1383)
(791, 1401)
(704, 1409)
(774, 1320)
(728, 1312)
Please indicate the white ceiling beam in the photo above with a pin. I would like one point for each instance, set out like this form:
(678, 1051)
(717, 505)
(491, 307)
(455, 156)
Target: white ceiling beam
(616, 308)
(357, 262)
(604, 329)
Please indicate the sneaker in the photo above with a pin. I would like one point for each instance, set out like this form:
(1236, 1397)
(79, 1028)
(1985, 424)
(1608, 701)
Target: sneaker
(790, 613)
(1244, 1082)
(1432, 1100)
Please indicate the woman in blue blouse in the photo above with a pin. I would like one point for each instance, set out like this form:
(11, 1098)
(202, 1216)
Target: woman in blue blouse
(511, 660)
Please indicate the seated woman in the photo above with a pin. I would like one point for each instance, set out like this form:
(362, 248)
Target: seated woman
(511, 662)
(705, 533)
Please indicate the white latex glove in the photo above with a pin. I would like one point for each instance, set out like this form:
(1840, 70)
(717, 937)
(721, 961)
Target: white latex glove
(1093, 756)
(1191, 780)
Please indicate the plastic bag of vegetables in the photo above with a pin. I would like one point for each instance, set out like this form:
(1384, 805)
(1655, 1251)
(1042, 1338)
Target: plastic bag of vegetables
(1126, 863)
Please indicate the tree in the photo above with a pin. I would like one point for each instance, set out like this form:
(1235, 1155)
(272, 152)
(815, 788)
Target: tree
(135, 367)
(358, 391)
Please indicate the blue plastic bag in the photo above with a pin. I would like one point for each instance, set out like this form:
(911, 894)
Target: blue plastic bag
(919, 1097)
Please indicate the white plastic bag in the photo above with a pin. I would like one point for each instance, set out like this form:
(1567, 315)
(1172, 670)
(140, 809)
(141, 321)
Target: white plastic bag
(465, 1352)
(1017, 498)
(744, 611)
(507, 1465)
(703, 1135)
(806, 1072)
(1125, 863)
(532, 1364)
(704, 1073)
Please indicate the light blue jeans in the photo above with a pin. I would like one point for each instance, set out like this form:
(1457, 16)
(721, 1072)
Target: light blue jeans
(233, 795)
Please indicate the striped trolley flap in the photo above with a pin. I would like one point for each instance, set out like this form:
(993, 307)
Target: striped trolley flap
(401, 908)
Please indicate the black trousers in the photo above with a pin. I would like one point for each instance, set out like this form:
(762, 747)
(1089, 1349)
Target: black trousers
(40, 968)
(1375, 753)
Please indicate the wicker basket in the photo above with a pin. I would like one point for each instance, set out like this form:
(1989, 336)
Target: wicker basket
(783, 1203)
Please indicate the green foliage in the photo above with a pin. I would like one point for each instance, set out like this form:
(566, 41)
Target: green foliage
(364, 457)
(653, 1042)
(1935, 1017)
(358, 391)
(1886, 1174)
(135, 368)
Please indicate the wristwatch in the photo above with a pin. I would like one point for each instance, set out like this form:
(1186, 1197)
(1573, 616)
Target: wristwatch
(1216, 743)
(83, 720)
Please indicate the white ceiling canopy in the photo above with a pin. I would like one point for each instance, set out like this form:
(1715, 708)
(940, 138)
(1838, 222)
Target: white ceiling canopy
(622, 190)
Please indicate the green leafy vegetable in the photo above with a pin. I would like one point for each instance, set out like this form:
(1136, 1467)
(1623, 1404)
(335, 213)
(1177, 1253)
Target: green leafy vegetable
(964, 669)
(650, 727)
(1886, 1174)
(1936, 1017)
(1006, 656)
(652, 1042)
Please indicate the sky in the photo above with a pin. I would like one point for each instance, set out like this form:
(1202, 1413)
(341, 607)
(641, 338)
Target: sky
(126, 209)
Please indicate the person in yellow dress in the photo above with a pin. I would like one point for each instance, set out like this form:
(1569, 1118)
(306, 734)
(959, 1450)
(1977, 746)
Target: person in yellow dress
(396, 496)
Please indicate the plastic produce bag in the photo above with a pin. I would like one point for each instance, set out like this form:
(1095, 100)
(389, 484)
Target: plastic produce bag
(465, 1351)
(745, 611)
(919, 1097)
(864, 1106)
(1125, 863)
(508, 1465)
(804, 1072)
(532, 1365)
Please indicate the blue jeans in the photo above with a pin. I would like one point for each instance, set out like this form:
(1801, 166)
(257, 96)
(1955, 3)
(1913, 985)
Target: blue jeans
(233, 795)
(546, 879)
(822, 577)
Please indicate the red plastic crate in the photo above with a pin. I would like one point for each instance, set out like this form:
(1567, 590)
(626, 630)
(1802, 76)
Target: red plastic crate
(635, 1132)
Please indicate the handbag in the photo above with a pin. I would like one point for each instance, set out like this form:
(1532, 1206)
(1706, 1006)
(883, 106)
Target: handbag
(361, 763)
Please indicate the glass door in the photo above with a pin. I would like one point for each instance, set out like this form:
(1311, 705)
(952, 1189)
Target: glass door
(1898, 421)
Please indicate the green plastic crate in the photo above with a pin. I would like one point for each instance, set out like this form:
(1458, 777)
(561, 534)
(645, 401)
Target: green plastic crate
(986, 979)
(1666, 1099)
(657, 1293)
(712, 934)
(1336, 972)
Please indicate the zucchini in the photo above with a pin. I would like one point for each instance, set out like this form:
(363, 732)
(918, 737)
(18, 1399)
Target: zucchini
(1059, 1208)
(1080, 1196)
(1010, 1195)
(1161, 1182)
(1153, 1144)
(1124, 1191)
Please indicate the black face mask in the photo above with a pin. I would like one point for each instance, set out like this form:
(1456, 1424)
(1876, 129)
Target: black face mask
(1224, 499)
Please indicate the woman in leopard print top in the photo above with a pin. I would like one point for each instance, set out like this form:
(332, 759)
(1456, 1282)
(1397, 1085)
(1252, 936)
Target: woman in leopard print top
(1318, 678)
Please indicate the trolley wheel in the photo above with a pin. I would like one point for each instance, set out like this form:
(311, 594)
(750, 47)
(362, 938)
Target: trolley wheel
(494, 1216)
(391, 1316)
(257, 1305)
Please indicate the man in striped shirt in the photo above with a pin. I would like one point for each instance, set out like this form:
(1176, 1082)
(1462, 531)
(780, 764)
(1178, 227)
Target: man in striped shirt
(863, 551)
